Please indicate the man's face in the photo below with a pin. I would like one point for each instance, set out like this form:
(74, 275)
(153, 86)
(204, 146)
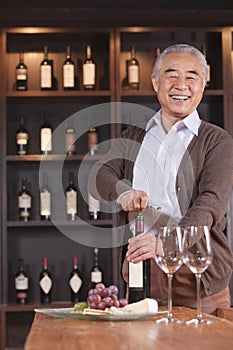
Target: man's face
(180, 85)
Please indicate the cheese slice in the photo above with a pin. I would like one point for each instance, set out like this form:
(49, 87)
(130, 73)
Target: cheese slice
(143, 306)
(140, 307)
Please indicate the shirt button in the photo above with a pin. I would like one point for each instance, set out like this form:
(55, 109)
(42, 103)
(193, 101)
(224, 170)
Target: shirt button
(178, 188)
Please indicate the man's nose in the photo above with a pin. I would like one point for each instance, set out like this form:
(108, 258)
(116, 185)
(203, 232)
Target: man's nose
(181, 82)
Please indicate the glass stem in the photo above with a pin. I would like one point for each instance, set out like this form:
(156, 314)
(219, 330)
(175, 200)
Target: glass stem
(169, 277)
(198, 282)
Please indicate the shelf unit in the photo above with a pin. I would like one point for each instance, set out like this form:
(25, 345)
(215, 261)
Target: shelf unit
(58, 238)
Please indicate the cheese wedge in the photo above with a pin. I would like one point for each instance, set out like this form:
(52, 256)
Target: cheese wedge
(143, 306)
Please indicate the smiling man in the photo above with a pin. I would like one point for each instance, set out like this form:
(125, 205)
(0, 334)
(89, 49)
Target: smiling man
(179, 171)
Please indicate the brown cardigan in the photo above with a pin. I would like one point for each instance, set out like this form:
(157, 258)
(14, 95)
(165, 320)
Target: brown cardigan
(207, 180)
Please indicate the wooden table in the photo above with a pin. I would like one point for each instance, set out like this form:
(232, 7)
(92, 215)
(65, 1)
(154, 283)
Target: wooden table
(50, 333)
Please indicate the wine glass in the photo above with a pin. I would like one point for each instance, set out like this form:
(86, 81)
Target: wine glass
(169, 257)
(197, 257)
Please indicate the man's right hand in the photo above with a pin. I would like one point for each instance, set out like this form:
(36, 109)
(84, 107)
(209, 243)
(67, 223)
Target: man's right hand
(134, 201)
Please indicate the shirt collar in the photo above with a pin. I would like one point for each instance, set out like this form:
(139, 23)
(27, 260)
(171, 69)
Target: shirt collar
(191, 122)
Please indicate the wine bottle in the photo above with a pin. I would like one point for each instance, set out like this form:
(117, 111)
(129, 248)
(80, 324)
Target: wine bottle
(93, 207)
(70, 141)
(46, 72)
(139, 273)
(46, 131)
(22, 138)
(45, 283)
(125, 81)
(45, 199)
(96, 271)
(24, 202)
(89, 68)
(75, 281)
(71, 199)
(133, 71)
(208, 68)
(68, 72)
(21, 284)
(21, 74)
(92, 141)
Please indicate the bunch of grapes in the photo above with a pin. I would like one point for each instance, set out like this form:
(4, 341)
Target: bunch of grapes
(102, 297)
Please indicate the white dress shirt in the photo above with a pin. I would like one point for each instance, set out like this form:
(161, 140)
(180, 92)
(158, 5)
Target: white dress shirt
(156, 167)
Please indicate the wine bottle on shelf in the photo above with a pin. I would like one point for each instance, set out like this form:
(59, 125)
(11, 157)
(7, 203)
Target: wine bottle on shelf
(22, 138)
(75, 281)
(92, 141)
(89, 68)
(139, 273)
(96, 271)
(21, 284)
(71, 199)
(68, 72)
(46, 72)
(45, 199)
(70, 141)
(45, 283)
(125, 81)
(133, 71)
(21, 74)
(208, 67)
(93, 207)
(46, 132)
(24, 202)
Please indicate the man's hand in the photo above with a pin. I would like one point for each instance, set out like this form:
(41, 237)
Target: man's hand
(143, 247)
(134, 201)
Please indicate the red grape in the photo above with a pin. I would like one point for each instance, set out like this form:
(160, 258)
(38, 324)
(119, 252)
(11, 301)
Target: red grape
(96, 299)
(113, 289)
(123, 302)
(106, 292)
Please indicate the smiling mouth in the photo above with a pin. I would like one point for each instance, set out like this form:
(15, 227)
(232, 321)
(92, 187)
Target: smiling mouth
(180, 97)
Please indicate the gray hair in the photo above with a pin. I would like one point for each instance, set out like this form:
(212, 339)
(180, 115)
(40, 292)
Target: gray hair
(181, 48)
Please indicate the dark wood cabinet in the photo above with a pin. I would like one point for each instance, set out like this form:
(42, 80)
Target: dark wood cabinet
(59, 239)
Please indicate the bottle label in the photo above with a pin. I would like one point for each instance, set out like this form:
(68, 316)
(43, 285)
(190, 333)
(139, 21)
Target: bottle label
(46, 140)
(45, 203)
(93, 204)
(71, 201)
(21, 282)
(21, 74)
(93, 141)
(136, 275)
(22, 138)
(133, 74)
(24, 201)
(46, 77)
(96, 276)
(88, 74)
(68, 76)
(75, 283)
(70, 142)
(46, 284)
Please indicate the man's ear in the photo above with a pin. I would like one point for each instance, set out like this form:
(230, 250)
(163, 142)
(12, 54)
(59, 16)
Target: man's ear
(154, 83)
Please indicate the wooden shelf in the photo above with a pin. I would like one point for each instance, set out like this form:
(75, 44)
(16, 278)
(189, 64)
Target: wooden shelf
(50, 157)
(49, 223)
(58, 93)
(31, 306)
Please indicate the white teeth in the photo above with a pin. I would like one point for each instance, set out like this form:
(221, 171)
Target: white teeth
(181, 97)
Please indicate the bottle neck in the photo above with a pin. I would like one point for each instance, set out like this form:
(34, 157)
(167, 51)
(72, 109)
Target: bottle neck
(45, 263)
(88, 52)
